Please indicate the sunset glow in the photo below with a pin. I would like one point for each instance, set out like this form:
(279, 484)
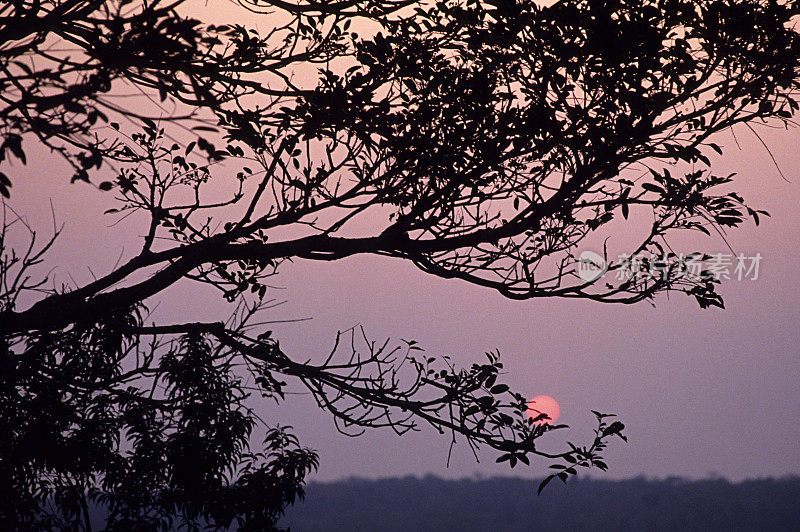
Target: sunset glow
(543, 404)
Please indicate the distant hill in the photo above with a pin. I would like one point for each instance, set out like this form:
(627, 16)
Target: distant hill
(511, 504)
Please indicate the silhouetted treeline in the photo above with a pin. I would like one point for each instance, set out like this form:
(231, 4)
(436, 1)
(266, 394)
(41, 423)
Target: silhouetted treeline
(511, 504)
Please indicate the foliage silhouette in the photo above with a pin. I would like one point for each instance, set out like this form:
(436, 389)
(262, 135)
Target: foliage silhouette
(483, 141)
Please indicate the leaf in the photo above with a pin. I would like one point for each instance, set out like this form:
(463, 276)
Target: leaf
(544, 483)
(14, 143)
(149, 123)
(653, 188)
(105, 185)
(504, 458)
(5, 184)
(500, 388)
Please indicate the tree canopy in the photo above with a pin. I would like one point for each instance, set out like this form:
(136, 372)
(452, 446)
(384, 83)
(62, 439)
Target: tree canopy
(480, 140)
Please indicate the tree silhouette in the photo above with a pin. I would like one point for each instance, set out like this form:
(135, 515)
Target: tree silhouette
(484, 141)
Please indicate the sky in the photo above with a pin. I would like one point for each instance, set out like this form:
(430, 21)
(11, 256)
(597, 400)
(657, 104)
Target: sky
(701, 392)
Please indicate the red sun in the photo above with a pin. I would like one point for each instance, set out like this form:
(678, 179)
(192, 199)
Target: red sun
(543, 404)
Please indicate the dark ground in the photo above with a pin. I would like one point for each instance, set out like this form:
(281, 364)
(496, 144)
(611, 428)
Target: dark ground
(511, 504)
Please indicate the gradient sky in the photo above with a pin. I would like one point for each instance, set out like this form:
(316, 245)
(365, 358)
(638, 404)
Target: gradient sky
(702, 392)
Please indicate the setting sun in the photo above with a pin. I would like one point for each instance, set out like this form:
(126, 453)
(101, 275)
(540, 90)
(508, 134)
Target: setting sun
(543, 404)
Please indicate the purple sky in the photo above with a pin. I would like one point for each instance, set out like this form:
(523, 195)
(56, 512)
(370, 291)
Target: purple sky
(701, 391)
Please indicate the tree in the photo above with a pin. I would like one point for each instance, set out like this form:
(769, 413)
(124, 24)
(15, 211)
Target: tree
(65, 62)
(484, 141)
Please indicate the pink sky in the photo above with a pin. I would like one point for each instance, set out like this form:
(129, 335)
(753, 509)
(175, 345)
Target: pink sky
(701, 391)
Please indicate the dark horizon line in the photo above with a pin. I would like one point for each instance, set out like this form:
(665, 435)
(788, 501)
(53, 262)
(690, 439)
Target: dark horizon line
(712, 477)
